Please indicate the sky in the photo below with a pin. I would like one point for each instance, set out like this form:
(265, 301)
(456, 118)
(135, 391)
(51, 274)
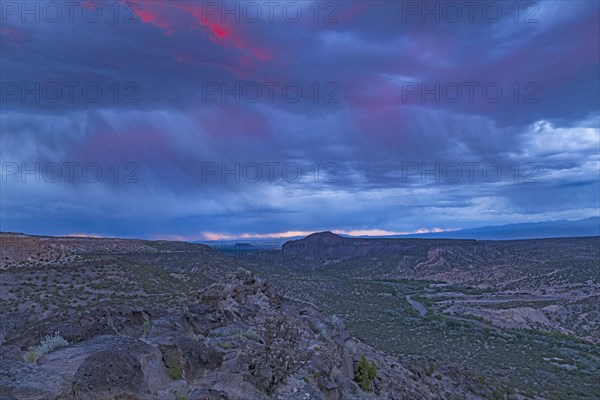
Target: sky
(199, 120)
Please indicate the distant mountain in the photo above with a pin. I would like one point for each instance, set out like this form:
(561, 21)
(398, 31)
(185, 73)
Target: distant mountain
(248, 243)
(529, 230)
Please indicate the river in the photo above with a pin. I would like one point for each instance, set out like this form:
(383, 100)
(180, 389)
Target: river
(416, 305)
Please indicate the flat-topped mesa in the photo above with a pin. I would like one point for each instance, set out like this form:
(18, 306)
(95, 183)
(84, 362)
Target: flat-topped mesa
(320, 245)
(327, 246)
(323, 237)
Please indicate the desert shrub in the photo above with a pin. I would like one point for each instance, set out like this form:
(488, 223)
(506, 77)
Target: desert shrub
(226, 345)
(48, 344)
(366, 373)
(175, 371)
(429, 370)
(338, 323)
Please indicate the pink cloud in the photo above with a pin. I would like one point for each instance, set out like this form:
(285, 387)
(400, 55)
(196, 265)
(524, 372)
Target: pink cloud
(149, 17)
(12, 36)
(224, 34)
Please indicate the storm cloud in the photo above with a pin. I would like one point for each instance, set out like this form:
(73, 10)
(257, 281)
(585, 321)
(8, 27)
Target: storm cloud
(191, 118)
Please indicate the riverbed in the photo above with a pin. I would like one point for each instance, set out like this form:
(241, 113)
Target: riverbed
(417, 305)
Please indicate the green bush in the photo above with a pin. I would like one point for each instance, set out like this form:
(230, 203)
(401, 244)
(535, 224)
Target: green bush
(226, 345)
(367, 371)
(48, 344)
(175, 371)
(429, 370)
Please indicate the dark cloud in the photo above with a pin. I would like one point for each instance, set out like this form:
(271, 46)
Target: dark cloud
(193, 131)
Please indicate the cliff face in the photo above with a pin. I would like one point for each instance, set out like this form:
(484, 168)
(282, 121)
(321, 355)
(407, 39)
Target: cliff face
(327, 246)
(236, 340)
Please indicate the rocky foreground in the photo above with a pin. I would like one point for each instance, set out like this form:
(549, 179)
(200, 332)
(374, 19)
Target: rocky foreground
(85, 318)
(237, 340)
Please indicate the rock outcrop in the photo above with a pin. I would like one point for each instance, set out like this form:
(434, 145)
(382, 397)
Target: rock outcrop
(238, 340)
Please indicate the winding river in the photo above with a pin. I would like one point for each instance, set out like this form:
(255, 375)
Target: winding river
(416, 305)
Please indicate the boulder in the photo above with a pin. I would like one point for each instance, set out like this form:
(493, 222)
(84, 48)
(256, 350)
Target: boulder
(110, 374)
(208, 394)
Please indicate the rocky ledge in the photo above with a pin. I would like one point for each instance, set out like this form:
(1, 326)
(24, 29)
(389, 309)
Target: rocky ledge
(238, 340)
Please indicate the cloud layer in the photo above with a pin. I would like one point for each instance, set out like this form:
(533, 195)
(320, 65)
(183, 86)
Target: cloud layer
(190, 118)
